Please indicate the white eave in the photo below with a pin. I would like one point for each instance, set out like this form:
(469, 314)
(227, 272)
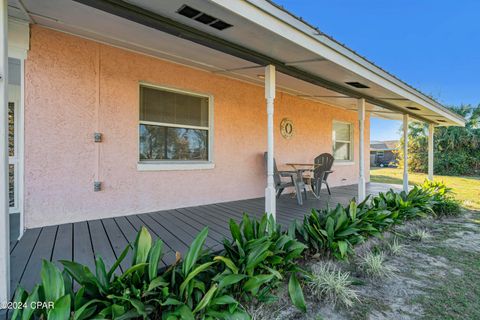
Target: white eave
(280, 21)
(321, 65)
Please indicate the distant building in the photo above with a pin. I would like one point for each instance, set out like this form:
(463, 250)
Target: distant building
(382, 153)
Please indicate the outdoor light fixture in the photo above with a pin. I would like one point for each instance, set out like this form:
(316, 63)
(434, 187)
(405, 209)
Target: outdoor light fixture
(261, 76)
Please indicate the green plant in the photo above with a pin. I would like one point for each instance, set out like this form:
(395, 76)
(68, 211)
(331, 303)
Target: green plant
(373, 265)
(456, 149)
(197, 290)
(103, 294)
(186, 290)
(328, 282)
(331, 231)
(419, 234)
(395, 247)
(259, 256)
(415, 204)
(444, 204)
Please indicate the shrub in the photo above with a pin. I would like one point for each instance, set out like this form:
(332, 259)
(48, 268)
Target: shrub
(103, 294)
(373, 265)
(444, 204)
(258, 256)
(186, 290)
(415, 204)
(331, 231)
(328, 282)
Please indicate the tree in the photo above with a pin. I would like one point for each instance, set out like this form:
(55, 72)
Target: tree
(456, 149)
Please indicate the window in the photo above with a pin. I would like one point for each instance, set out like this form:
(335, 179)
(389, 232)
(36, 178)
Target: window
(380, 154)
(174, 126)
(342, 141)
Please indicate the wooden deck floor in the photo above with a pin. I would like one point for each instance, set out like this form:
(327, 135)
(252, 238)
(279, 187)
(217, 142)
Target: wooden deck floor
(83, 241)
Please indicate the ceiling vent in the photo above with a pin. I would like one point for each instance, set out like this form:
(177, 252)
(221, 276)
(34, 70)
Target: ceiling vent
(413, 108)
(202, 17)
(357, 85)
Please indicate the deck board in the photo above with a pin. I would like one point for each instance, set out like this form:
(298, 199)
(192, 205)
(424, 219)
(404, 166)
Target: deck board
(43, 250)
(20, 256)
(83, 241)
(117, 241)
(101, 243)
(63, 249)
(82, 245)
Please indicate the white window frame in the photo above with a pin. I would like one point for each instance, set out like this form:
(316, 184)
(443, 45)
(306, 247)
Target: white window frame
(161, 165)
(351, 142)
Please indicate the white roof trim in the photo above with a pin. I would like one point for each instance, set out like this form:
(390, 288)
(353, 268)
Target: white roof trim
(286, 25)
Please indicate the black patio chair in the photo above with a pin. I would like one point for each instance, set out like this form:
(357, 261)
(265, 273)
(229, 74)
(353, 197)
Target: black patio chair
(321, 172)
(293, 181)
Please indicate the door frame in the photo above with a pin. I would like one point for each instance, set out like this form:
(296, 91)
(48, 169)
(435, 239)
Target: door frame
(19, 139)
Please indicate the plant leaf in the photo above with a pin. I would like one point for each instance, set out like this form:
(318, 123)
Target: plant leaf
(194, 251)
(343, 247)
(117, 263)
(61, 309)
(142, 246)
(206, 299)
(192, 275)
(228, 262)
(154, 259)
(296, 293)
(52, 281)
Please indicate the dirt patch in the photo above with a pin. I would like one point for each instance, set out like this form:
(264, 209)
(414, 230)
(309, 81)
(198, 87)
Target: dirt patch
(421, 266)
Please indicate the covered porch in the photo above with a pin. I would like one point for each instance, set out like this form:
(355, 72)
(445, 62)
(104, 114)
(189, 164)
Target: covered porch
(84, 241)
(87, 61)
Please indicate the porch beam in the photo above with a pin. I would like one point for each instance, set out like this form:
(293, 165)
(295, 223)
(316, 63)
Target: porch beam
(4, 214)
(430, 151)
(156, 21)
(361, 149)
(270, 194)
(405, 152)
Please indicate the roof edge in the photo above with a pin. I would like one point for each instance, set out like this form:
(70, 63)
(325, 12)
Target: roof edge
(311, 31)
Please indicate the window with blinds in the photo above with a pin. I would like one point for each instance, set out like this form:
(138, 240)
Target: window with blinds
(174, 125)
(342, 136)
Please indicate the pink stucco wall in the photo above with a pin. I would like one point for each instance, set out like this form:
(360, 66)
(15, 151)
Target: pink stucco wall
(74, 87)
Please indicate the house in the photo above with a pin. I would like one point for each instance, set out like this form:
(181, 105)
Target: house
(383, 153)
(117, 108)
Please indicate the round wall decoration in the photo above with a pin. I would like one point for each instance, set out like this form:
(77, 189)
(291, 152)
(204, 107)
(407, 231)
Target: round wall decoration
(286, 128)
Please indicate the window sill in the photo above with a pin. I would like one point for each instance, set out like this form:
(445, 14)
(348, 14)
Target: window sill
(343, 163)
(144, 166)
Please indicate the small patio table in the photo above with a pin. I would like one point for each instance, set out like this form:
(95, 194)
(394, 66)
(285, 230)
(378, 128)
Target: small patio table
(301, 168)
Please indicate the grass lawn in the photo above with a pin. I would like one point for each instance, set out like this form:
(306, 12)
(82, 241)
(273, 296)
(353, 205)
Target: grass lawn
(467, 189)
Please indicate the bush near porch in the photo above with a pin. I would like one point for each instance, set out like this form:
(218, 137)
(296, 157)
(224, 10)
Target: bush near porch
(465, 189)
(456, 149)
(248, 271)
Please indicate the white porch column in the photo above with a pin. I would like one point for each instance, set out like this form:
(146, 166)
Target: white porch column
(430, 151)
(361, 149)
(405, 152)
(270, 199)
(4, 218)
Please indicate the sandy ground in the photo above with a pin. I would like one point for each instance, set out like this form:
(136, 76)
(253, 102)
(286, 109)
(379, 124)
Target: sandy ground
(393, 297)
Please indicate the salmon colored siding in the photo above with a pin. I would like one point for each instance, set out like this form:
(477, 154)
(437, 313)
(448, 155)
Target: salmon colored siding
(75, 87)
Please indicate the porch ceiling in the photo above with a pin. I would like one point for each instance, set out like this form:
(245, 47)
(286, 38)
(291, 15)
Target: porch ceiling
(310, 65)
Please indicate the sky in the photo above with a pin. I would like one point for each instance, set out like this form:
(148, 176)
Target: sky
(433, 45)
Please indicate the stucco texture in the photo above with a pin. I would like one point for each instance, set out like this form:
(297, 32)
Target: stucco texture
(75, 87)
